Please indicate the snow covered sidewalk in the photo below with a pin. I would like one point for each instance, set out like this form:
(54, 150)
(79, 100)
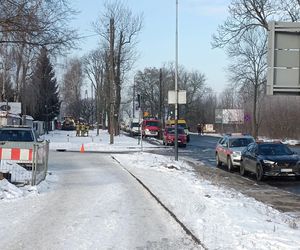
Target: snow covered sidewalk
(220, 218)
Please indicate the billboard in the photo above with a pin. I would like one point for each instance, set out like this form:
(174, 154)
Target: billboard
(11, 107)
(181, 97)
(229, 116)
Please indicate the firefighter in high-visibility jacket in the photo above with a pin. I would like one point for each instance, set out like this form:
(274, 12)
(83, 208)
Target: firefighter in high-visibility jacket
(82, 129)
(77, 129)
(87, 127)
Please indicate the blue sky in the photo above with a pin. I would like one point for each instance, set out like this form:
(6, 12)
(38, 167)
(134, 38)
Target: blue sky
(198, 20)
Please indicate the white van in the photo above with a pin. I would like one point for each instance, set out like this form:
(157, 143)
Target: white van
(134, 127)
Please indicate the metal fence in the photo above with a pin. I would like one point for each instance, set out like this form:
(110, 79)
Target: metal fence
(24, 164)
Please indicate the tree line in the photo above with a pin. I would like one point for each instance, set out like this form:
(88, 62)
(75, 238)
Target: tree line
(244, 37)
(151, 83)
(33, 33)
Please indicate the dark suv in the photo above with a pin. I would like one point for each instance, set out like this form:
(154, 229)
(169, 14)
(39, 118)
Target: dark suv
(270, 159)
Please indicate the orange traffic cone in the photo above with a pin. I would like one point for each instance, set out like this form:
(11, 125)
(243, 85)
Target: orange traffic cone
(82, 149)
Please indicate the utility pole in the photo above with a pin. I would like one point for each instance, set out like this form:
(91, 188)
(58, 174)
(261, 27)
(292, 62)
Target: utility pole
(92, 104)
(133, 99)
(111, 80)
(161, 118)
(176, 85)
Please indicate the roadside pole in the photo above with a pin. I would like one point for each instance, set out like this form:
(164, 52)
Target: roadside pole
(176, 85)
(140, 120)
(112, 83)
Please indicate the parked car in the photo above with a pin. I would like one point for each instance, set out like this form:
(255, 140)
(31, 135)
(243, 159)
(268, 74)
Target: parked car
(229, 148)
(169, 136)
(18, 134)
(17, 144)
(270, 159)
(181, 123)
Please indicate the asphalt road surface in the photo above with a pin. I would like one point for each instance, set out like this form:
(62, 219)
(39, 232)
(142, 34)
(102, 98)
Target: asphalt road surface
(281, 193)
(202, 148)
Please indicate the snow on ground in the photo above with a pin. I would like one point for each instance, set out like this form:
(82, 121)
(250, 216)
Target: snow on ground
(221, 218)
(69, 141)
(18, 173)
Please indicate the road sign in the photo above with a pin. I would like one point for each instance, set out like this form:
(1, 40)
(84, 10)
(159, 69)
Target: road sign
(283, 58)
(181, 97)
(247, 117)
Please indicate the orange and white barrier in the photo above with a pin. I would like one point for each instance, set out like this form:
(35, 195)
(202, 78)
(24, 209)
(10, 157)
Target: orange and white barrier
(16, 154)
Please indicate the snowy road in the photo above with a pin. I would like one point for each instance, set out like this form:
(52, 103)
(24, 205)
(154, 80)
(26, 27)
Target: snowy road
(94, 204)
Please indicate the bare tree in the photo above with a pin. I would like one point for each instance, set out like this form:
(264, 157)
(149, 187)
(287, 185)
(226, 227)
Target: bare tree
(127, 27)
(249, 68)
(94, 68)
(290, 9)
(26, 26)
(72, 86)
(228, 98)
(244, 16)
(194, 84)
(244, 35)
(147, 85)
(37, 23)
(198, 94)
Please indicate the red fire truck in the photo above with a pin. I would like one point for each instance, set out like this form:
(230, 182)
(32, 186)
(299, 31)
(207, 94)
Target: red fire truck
(151, 127)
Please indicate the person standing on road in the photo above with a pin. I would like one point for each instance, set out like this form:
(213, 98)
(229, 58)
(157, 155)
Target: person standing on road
(199, 128)
(77, 129)
(87, 128)
(82, 129)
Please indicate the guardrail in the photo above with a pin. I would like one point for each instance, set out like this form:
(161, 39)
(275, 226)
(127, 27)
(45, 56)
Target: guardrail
(24, 163)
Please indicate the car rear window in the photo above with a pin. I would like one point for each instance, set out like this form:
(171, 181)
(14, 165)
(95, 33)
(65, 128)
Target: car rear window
(240, 142)
(172, 131)
(183, 125)
(16, 135)
(135, 124)
(152, 123)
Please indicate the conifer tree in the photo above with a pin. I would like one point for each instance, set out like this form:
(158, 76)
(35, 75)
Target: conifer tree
(46, 94)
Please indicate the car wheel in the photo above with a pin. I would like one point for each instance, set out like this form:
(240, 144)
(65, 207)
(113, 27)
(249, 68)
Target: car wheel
(219, 163)
(259, 173)
(229, 164)
(242, 169)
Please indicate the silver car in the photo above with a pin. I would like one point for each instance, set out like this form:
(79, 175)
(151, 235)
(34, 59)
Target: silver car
(229, 149)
